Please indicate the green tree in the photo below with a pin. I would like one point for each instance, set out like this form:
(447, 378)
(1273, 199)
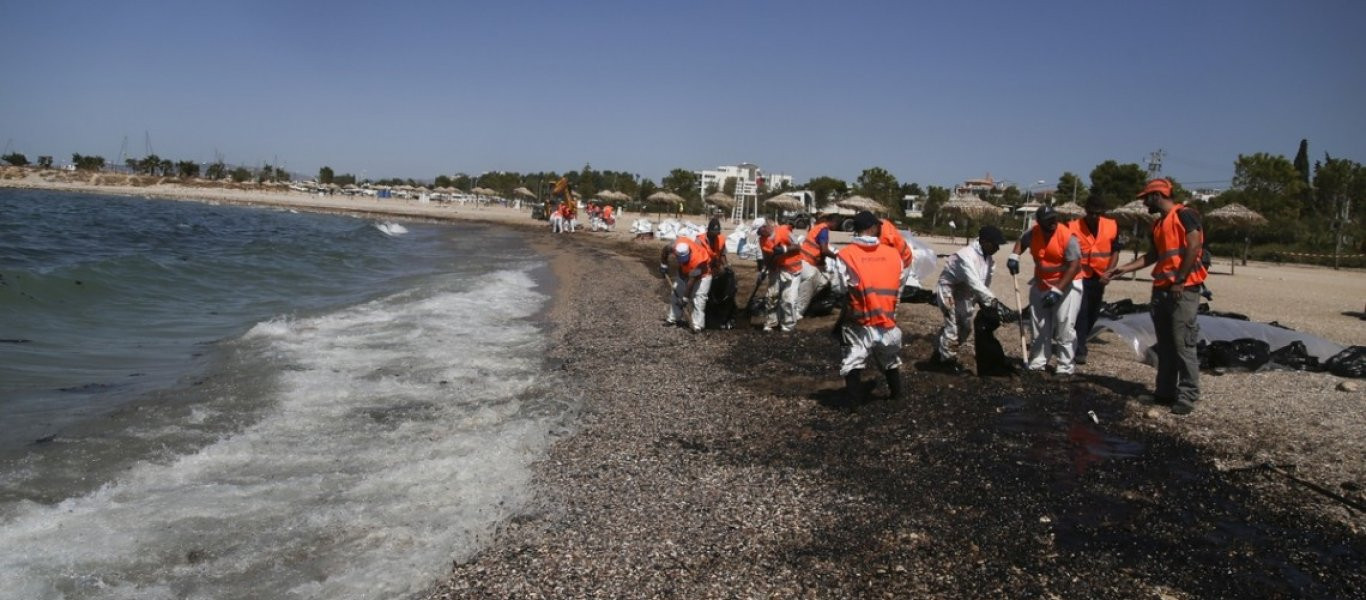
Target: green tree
(1117, 183)
(826, 189)
(880, 185)
(935, 197)
(1011, 196)
(45, 162)
(442, 181)
(217, 170)
(1270, 185)
(1071, 187)
(1340, 187)
(325, 175)
(685, 183)
(187, 169)
(240, 174)
(15, 158)
(87, 163)
(1302, 161)
(344, 179)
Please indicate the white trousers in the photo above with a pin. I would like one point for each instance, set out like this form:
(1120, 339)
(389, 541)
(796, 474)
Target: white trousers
(699, 301)
(784, 311)
(1054, 328)
(809, 284)
(958, 312)
(863, 342)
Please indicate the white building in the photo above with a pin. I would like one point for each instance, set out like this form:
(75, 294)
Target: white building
(748, 178)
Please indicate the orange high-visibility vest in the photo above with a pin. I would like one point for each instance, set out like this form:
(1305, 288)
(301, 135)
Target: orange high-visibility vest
(698, 257)
(1048, 255)
(811, 249)
(607, 213)
(874, 283)
(1096, 247)
(792, 261)
(1169, 238)
(716, 251)
(889, 235)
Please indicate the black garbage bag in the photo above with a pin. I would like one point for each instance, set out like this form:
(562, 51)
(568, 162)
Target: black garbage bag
(1204, 310)
(1348, 363)
(1242, 354)
(721, 307)
(991, 357)
(1296, 357)
(1119, 308)
(917, 295)
(824, 303)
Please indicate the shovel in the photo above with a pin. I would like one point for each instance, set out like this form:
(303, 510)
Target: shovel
(1024, 347)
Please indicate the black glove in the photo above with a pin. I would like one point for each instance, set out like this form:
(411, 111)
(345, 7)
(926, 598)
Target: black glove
(1013, 265)
(663, 269)
(1051, 299)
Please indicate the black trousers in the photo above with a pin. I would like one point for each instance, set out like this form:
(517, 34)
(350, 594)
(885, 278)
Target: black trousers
(1092, 297)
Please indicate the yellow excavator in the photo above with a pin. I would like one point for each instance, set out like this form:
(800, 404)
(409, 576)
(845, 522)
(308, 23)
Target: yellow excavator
(565, 193)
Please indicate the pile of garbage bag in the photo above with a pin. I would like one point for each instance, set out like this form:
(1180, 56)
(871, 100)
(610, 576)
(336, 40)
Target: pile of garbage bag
(1230, 342)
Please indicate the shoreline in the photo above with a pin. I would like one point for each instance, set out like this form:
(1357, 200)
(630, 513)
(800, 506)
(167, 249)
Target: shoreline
(708, 466)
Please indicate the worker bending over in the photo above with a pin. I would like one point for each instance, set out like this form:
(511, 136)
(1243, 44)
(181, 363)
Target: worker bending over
(815, 250)
(870, 273)
(694, 280)
(1178, 278)
(964, 285)
(787, 261)
(1054, 292)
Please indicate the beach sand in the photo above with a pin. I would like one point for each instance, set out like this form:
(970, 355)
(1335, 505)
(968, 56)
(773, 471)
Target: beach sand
(713, 465)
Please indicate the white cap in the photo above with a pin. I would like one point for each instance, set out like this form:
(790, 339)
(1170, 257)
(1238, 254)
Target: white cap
(682, 249)
(758, 222)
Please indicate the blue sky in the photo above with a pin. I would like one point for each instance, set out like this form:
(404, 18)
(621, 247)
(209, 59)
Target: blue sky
(933, 92)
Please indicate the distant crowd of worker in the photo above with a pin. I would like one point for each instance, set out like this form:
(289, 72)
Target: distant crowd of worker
(563, 217)
(1073, 262)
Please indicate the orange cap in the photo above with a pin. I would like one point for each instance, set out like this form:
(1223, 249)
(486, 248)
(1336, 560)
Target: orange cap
(1157, 186)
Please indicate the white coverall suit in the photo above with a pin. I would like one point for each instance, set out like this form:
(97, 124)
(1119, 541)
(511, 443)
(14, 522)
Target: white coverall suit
(964, 285)
(699, 297)
(1054, 329)
(863, 342)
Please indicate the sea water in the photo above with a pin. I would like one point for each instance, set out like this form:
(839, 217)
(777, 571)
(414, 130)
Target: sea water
(202, 401)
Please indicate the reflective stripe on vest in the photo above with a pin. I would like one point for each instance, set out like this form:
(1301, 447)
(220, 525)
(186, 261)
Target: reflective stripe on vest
(791, 262)
(811, 248)
(889, 235)
(874, 283)
(1093, 261)
(1169, 239)
(1048, 255)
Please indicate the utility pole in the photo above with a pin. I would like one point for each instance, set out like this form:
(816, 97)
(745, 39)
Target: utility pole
(1155, 163)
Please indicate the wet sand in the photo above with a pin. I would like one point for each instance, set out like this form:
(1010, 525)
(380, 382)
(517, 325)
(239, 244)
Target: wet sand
(713, 465)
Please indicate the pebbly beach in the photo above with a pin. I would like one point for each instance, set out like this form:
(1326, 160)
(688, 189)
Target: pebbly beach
(716, 464)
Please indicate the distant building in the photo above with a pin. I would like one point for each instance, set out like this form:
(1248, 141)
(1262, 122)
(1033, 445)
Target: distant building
(748, 179)
(977, 187)
(913, 205)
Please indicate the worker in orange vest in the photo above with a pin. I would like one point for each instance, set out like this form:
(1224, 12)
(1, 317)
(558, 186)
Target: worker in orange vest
(608, 217)
(715, 241)
(870, 273)
(693, 283)
(891, 236)
(1178, 278)
(1054, 292)
(815, 250)
(1098, 236)
(786, 259)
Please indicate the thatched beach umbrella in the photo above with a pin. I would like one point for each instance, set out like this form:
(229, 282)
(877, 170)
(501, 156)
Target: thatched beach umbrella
(721, 200)
(970, 208)
(1239, 217)
(1133, 214)
(665, 198)
(523, 192)
(1070, 210)
(784, 202)
(862, 203)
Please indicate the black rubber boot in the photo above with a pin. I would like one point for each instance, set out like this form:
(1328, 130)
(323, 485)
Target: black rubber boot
(853, 388)
(893, 383)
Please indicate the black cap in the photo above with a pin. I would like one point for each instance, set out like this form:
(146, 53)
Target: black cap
(992, 234)
(1045, 213)
(865, 220)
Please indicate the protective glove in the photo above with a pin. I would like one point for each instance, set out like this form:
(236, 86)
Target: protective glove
(1051, 299)
(1013, 264)
(663, 269)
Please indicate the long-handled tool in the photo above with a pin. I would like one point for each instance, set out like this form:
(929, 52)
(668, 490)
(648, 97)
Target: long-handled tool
(1024, 347)
(758, 280)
